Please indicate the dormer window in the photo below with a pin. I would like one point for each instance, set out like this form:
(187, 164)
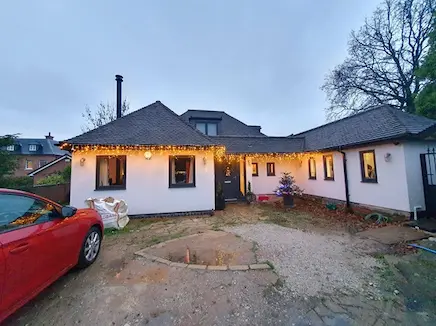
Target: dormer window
(207, 128)
(10, 148)
(32, 148)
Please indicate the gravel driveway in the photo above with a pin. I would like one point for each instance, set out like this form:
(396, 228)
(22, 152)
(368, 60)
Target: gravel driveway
(310, 263)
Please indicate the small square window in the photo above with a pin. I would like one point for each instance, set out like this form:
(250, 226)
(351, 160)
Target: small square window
(32, 148)
(10, 148)
(42, 163)
(328, 167)
(367, 166)
(182, 171)
(312, 168)
(111, 172)
(254, 170)
(207, 128)
(28, 165)
(270, 169)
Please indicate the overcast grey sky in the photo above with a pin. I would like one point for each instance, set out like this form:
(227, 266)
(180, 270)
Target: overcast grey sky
(261, 61)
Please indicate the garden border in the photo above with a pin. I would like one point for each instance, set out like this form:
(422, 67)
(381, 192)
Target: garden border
(143, 254)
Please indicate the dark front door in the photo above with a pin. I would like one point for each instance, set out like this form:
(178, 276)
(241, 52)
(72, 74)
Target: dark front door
(228, 174)
(428, 166)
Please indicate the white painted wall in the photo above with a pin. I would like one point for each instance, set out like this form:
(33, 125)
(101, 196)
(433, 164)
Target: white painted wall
(412, 151)
(147, 181)
(320, 187)
(263, 184)
(390, 191)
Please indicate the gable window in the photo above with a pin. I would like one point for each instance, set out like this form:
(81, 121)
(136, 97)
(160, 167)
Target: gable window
(42, 163)
(28, 165)
(32, 148)
(270, 169)
(207, 128)
(254, 170)
(312, 168)
(367, 166)
(111, 172)
(328, 167)
(182, 171)
(10, 148)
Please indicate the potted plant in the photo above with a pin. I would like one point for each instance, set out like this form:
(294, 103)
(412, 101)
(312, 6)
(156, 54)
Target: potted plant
(249, 196)
(220, 201)
(287, 188)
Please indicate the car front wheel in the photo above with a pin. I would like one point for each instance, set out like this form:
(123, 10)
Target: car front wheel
(90, 247)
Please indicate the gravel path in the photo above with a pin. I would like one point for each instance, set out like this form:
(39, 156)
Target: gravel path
(310, 263)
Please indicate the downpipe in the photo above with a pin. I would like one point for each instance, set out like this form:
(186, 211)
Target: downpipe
(347, 190)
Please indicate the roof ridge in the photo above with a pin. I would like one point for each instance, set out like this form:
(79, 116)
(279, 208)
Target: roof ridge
(203, 111)
(342, 119)
(257, 136)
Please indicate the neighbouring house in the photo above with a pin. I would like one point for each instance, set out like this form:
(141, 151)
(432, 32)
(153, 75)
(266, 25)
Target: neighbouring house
(160, 162)
(56, 166)
(34, 153)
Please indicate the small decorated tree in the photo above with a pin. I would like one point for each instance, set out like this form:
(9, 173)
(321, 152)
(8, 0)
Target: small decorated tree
(287, 188)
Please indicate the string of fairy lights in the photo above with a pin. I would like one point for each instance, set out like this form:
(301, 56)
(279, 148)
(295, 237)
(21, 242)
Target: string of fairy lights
(218, 151)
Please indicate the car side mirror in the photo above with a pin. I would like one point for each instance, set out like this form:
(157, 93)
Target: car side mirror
(68, 211)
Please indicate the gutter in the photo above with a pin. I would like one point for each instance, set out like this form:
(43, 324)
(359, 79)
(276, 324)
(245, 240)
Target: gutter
(347, 190)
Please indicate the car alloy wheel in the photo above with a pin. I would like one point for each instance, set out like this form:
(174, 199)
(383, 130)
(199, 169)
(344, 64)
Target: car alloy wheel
(92, 246)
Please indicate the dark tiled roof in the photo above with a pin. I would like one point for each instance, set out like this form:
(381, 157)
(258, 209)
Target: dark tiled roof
(154, 124)
(227, 125)
(260, 144)
(377, 124)
(43, 147)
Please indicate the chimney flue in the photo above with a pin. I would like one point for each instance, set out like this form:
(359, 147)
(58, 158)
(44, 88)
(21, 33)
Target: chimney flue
(119, 80)
(49, 136)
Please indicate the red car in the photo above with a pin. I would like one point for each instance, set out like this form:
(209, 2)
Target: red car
(40, 241)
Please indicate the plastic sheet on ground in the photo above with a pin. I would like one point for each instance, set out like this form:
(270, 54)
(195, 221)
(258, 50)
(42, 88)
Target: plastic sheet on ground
(113, 211)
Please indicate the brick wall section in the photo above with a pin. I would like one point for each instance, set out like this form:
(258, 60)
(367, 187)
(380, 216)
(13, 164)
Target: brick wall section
(21, 169)
(58, 167)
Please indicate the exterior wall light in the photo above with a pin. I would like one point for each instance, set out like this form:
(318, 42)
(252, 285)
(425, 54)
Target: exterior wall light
(204, 160)
(147, 155)
(388, 157)
(82, 161)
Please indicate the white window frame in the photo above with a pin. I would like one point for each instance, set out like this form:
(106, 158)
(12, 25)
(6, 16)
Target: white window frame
(32, 148)
(10, 148)
(26, 166)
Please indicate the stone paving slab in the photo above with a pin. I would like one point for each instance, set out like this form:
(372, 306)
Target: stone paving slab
(260, 266)
(389, 235)
(217, 267)
(238, 267)
(194, 266)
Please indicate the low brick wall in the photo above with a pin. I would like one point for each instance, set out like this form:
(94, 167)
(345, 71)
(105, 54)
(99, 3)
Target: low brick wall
(59, 193)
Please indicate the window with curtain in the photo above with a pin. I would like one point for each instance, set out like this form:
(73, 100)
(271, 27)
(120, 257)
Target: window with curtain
(270, 169)
(182, 171)
(111, 172)
(367, 166)
(312, 168)
(328, 167)
(254, 170)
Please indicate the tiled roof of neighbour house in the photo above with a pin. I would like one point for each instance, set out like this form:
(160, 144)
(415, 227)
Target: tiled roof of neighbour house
(154, 124)
(42, 168)
(260, 144)
(43, 147)
(228, 125)
(377, 124)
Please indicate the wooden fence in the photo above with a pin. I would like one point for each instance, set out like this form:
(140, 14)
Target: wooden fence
(59, 193)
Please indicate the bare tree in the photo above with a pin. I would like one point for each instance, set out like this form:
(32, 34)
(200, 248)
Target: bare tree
(382, 58)
(103, 114)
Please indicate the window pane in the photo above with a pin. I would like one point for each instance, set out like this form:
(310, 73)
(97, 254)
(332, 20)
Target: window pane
(312, 168)
(369, 165)
(329, 166)
(270, 169)
(212, 129)
(16, 211)
(182, 170)
(201, 127)
(10, 148)
(32, 148)
(29, 165)
(42, 163)
(254, 169)
(111, 171)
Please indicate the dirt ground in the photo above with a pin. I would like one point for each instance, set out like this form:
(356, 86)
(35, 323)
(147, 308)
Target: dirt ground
(124, 289)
